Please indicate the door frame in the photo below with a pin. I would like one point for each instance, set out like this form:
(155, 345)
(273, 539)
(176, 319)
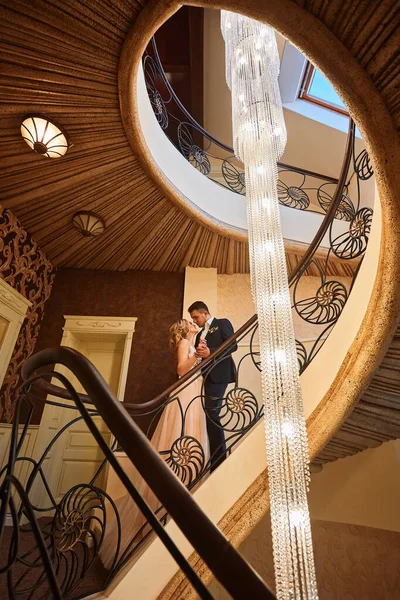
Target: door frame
(76, 328)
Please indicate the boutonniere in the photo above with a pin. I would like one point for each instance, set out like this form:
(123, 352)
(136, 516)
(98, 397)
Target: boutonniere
(212, 329)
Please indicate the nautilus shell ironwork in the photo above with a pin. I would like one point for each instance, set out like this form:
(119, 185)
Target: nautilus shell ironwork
(363, 166)
(234, 178)
(325, 306)
(79, 518)
(291, 194)
(186, 458)
(191, 151)
(345, 211)
(239, 410)
(353, 243)
(156, 100)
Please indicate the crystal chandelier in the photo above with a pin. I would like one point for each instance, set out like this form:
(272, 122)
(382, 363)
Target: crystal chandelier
(259, 135)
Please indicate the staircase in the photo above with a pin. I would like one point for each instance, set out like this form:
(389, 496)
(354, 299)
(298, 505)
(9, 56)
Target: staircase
(73, 69)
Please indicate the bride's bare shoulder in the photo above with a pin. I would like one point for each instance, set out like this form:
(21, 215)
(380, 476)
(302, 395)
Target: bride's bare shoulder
(183, 343)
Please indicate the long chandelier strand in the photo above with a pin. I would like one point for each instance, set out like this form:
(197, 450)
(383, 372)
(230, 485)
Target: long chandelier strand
(259, 135)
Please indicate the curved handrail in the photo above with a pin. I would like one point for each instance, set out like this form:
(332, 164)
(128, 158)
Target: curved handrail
(135, 409)
(41, 385)
(240, 580)
(208, 135)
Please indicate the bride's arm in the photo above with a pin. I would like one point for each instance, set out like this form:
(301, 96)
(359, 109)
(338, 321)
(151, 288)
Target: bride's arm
(184, 362)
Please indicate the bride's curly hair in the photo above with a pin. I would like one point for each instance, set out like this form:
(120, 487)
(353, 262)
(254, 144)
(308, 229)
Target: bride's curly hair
(178, 331)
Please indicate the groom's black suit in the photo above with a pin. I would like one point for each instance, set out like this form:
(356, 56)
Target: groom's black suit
(215, 384)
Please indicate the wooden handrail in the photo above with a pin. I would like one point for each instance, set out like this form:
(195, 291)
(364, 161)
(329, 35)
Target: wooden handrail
(233, 572)
(46, 387)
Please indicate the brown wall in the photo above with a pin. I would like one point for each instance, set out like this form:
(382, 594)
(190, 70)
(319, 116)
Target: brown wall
(154, 298)
(25, 267)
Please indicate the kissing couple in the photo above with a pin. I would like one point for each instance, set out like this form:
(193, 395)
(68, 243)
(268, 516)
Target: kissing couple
(184, 418)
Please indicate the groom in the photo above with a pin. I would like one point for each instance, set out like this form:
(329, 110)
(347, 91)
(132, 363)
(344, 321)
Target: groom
(213, 333)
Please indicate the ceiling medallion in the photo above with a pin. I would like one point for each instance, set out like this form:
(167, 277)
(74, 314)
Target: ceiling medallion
(44, 136)
(88, 223)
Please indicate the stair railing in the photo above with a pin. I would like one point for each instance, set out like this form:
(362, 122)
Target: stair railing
(298, 188)
(74, 522)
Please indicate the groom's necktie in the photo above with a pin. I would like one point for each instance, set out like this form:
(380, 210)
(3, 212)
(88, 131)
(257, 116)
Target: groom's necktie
(204, 331)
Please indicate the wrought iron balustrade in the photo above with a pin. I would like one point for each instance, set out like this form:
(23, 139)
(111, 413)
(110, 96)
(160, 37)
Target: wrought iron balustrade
(298, 188)
(51, 550)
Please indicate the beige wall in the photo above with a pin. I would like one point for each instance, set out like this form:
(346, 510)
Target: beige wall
(351, 562)
(217, 97)
(200, 284)
(354, 507)
(363, 489)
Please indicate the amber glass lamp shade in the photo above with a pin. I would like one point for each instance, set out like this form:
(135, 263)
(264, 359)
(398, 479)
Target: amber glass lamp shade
(44, 136)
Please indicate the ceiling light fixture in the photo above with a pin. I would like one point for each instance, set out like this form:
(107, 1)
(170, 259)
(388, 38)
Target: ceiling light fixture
(44, 136)
(88, 223)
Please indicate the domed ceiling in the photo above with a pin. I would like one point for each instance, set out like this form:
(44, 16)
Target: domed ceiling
(61, 59)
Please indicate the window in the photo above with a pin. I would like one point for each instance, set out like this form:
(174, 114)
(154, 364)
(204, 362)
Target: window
(316, 89)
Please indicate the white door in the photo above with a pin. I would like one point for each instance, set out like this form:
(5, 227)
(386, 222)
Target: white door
(76, 456)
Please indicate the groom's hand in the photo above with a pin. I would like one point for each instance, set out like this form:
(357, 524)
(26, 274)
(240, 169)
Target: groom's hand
(203, 351)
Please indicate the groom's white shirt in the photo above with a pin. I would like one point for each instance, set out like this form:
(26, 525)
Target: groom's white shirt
(207, 326)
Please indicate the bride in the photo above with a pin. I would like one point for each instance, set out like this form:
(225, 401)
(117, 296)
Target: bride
(182, 419)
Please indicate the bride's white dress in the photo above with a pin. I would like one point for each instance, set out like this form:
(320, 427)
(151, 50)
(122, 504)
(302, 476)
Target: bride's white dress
(169, 429)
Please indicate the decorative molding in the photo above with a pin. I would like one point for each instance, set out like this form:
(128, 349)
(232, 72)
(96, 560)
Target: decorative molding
(13, 307)
(23, 469)
(13, 299)
(83, 327)
(121, 325)
(97, 324)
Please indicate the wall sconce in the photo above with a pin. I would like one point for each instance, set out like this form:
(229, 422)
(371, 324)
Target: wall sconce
(88, 223)
(44, 136)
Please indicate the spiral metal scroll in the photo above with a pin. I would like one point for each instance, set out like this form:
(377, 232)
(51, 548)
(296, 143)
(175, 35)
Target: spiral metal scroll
(234, 178)
(292, 195)
(80, 520)
(157, 103)
(326, 306)
(240, 409)
(363, 166)
(186, 459)
(353, 243)
(191, 151)
(345, 210)
(72, 530)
